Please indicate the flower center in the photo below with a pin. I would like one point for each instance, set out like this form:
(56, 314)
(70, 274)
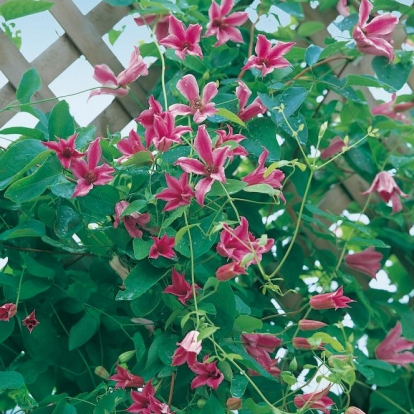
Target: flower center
(197, 104)
(216, 23)
(210, 169)
(263, 62)
(90, 177)
(187, 45)
(67, 153)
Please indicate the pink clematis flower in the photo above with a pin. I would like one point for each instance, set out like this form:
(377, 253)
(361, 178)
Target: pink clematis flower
(368, 261)
(310, 325)
(7, 311)
(388, 190)
(393, 110)
(316, 400)
(374, 38)
(131, 145)
(207, 373)
(224, 137)
(268, 58)
(229, 271)
(224, 27)
(178, 193)
(246, 113)
(188, 349)
(343, 8)
(144, 402)
(162, 247)
(213, 167)
(302, 343)
(88, 173)
(132, 221)
(183, 41)
(180, 287)
(334, 300)
(65, 150)
(161, 23)
(146, 118)
(124, 378)
(30, 321)
(116, 85)
(202, 107)
(335, 147)
(389, 350)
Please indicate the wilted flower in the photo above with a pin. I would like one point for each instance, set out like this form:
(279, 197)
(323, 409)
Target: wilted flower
(207, 373)
(330, 300)
(131, 221)
(255, 108)
(124, 378)
(180, 287)
(30, 321)
(7, 311)
(65, 150)
(316, 400)
(178, 192)
(162, 247)
(188, 349)
(310, 325)
(368, 261)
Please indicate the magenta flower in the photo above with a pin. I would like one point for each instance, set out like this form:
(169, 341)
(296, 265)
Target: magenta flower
(389, 350)
(246, 113)
(116, 85)
(374, 38)
(224, 27)
(368, 261)
(88, 173)
(162, 247)
(146, 118)
(124, 378)
(30, 321)
(144, 402)
(183, 41)
(131, 145)
(388, 190)
(229, 271)
(188, 349)
(65, 150)
(335, 147)
(180, 287)
(393, 110)
(207, 374)
(268, 58)
(343, 8)
(310, 325)
(161, 23)
(334, 300)
(213, 167)
(7, 311)
(132, 221)
(178, 192)
(316, 400)
(303, 343)
(202, 107)
(224, 137)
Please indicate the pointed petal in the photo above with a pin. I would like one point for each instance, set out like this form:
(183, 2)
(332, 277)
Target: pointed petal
(209, 92)
(82, 188)
(236, 19)
(202, 188)
(226, 6)
(364, 11)
(190, 165)
(94, 153)
(263, 46)
(180, 109)
(177, 28)
(104, 75)
(381, 25)
(188, 87)
(203, 145)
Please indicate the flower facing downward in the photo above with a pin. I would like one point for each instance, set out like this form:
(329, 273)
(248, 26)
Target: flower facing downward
(374, 38)
(246, 113)
(368, 261)
(268, 58)
(389, 350)
(224, 27)
(178, 192)
(124, 378)
(144, 402)
(224, 137)
(88, 173)
(188, 349)
(131, 221)
(343, 8)
(180, 287)
(207, 373)
(316, 400)
(229, 271)
(393, 110)
(162, 247)
(7, 311)
(334, 300)
(30, 321)
(116, 85)
(335, 147)
(65, 150)
(200, 107)
(388, 190)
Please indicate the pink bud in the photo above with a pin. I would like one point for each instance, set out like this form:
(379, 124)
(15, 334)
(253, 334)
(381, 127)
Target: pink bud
(310, 325)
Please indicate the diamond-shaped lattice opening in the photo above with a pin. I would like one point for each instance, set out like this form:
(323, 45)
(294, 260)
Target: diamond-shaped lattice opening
(21, 118)
(3, 79)
(85, 6)
(79, 77)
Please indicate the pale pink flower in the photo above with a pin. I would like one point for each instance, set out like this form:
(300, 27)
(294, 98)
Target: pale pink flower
(132, 221)
(162, 247)
(65, 150)
(207, 374)
(124, 378)
(224, 27)
(183, 41)
(368, 261)
(310, 325)
(178, 192)
(7, 311)
(131, 145)
(388, 190)
(200, 107)
(224, 137)
(30, 321)
(393, 110)
(246, 113)
(180, 287)
(187, 349)
(268, 57)
(334, 300)
(229, 271)
(389, 350)
(116, 85)
(159, 22)
(316, 400)
(343, 8)
(335, 147)
(374, 38)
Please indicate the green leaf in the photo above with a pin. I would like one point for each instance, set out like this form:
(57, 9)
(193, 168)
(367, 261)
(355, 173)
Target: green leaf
(108, 402)
(256, 408)
(37, 268)
(113, 34)
(83, 330)
(61, 122)
(348, 23)
(182, 231)
(99, 202)
(206, 332)
(10, 380)
(292, 98)
(139, 159)
(23, 131)
(312, 54)
(309, 28)
(148, 302)
(6, 329)
(68, 222)
(226, 114)
(64, 408)
(332, 49)
(288, 378)
(364, 80)
(213, 406)
(120, 3)
(29, 228)
(29, 84)
(223, 56)
(232, 186)
(238, 386)
(248, 324)
(135, 207)
(142, 248)
(262, 189)
(14, 9)
(34, 286)
(394, 75)
(149, 49)
(319, 337)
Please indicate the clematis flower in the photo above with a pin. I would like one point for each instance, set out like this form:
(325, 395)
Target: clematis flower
(343, 8)
(188, 349)
(124, 378)
(161, 23)
(268, 58)
(178, 192)
(224, 137)
(183, 41)
(374, 38)
(180, 287)
(162, 247)
(146, 118)
(116, 85)
(335, 147)
(88, 173)
(302, 343)
(316, 400)
(212, 168)
(229, 271)
(132, 221)
(246, 113)
(65, 150)
(310, 325)
(7, 311)
(393, 110)
(202, 107)
(30, 321)
(388, 190)
(368, 261)
(330, 300)
(389, 350)
(144, 402)
(131, 145)
(207, 373)
(224, 27)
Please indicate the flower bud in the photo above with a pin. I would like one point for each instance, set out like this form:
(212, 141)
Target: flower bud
(354, 410)
(234, 403)
(201, 403)
(100, 371)
(302, 343)
(310, 325)
(126, 356)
